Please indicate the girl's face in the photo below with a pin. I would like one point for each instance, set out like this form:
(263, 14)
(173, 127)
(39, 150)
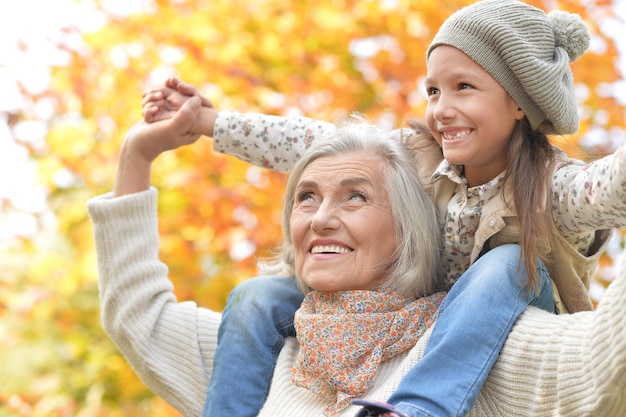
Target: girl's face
(341, 224)
(469, 114)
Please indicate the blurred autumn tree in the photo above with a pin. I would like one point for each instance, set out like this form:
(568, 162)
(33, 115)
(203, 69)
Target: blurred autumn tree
(322, 59)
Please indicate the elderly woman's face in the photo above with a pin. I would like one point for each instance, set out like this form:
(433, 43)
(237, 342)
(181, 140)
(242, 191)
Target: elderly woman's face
(341, 224)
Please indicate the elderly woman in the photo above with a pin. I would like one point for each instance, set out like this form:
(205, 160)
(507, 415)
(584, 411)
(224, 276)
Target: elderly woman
(361, 238)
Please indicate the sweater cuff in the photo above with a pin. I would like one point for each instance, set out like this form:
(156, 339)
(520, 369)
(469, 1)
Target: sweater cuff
(106, 206)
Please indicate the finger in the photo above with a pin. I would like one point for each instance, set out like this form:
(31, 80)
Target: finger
(153, 92)
(148, 112)
(153, 96)
(147, 116)
(172, 82)
(185, 118)
(205, 101)
(151, 109)
(187, 89)
(190, 90)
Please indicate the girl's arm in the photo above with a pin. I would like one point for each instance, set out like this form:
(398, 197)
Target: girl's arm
(267, 141)
(272, 142)
(591, 197)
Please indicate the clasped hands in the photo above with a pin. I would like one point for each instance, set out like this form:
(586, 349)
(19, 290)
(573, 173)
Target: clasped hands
(174, 116)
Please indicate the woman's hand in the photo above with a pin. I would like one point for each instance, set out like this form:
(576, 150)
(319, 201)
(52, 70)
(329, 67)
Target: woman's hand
(145, 142)
(151, 139)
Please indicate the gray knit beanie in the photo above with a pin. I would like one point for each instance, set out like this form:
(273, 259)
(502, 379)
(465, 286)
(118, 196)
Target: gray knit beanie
(527, 52)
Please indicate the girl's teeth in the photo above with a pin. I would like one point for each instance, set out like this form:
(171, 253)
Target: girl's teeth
(455, 135)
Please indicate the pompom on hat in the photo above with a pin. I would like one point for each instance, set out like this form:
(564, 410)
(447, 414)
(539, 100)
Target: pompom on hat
(527, 52)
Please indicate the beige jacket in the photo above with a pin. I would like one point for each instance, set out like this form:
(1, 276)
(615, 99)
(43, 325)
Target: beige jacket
(499, 225)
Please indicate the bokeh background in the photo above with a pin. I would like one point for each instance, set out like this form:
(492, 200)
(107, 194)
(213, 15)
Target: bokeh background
(71, 78)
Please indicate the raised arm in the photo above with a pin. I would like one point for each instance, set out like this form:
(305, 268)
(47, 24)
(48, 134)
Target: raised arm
(170, 345)
(592, 196)
(272, 142)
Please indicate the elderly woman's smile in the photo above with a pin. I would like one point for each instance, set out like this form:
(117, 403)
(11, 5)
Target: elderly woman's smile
(329, 248)
(341, 225)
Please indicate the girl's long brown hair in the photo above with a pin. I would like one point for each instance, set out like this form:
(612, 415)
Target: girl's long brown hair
(530, 164)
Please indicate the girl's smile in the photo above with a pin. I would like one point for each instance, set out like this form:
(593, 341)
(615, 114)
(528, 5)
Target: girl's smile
(469, 114)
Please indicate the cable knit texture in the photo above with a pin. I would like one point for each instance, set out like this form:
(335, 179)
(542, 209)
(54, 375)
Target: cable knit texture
(567, 365)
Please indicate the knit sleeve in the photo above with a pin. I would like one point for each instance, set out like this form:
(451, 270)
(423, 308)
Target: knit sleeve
(267, 141)
(563, 365)
(170, 345)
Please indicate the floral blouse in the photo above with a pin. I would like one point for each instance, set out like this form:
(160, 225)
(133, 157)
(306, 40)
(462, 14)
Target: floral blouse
(462, 218)
(586, 197)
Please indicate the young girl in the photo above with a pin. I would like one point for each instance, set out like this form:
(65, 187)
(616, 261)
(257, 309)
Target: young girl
(498, 82)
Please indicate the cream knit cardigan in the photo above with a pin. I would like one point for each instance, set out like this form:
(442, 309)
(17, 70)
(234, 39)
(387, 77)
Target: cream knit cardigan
(569, 365)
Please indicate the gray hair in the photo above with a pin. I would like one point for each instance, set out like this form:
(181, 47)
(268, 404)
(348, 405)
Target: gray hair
(416, 271)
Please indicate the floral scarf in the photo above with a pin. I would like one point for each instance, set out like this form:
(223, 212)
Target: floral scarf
(344, 336)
